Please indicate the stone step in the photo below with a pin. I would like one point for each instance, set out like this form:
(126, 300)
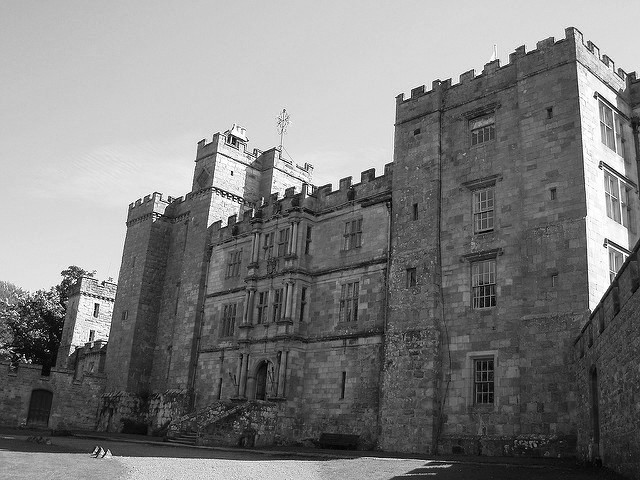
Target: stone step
(182, 440)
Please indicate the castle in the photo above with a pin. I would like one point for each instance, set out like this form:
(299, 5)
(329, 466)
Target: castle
(433, 307)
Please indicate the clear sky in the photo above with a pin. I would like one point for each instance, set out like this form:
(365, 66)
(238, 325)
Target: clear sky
(103, 102)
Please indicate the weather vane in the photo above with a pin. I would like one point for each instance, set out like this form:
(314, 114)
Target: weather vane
(283, 123)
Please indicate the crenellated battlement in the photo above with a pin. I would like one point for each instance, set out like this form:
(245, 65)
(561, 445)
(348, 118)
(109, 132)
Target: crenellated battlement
(93, 287)
(152, 206)
(619, 292)
(314, 200)
(547, 54)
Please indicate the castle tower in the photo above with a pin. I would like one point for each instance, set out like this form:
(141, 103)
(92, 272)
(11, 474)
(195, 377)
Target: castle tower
(88, 317)
(165, 259)
(514, 197)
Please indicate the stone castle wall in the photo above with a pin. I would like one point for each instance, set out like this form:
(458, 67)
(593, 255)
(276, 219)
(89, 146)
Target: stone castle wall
(74, 404)
(606, 370)
(80, 320)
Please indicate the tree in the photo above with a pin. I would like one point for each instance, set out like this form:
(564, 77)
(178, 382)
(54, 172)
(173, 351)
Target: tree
(33, 321)
(36, 322)
(9, 295)
(70, 276)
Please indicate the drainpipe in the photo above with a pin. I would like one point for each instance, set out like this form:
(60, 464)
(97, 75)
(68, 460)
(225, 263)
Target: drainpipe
(389, 205)
(445, 333)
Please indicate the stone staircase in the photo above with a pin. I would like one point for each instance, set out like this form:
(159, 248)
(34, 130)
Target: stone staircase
(183, 438)
(225, 424)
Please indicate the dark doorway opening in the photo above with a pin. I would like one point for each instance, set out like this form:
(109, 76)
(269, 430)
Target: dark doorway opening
(39, 408)
(261, 382)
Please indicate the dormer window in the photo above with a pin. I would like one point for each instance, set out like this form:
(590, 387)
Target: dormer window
(233, 141)
(236, 136)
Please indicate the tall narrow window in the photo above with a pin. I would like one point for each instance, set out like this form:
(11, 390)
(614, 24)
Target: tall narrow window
(268, 245)
(96, 310)
(228, 320)
(263, 300)
(233, 263)
(483, 281)
(92, 335)
(606, 126)
(483, 129)
(125, 315)
(411, 277)
(616, 259)
(307, 243)
(283, 242)
(612, 129)
(483, 207)
(414, 212)
(353, 234)
(303, 303)
(343, 385)
(612, 196)
(618, 198)
(349, 302)
(278, 295)
(483, 384)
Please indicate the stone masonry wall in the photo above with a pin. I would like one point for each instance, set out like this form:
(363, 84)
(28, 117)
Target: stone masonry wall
(74, 404)
(606, 369)
(80, 320)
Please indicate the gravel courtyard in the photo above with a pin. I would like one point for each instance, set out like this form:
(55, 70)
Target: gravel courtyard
(69, 458)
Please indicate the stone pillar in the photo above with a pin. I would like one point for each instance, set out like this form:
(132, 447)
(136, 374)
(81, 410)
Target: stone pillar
(255, 247)
(278, 368)
(238, 373)
(287, 300)
(293, 249)
(243, 374)
(294, 295)
(282, 371)
(245, 313)
(247, 317)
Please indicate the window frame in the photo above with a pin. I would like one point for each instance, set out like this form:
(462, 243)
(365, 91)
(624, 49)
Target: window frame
(352, 237)
(229, 312)
(486, 383)
(283, 242)
(267, 245)
(484, 283)
(262, 308)
(618, 198)
(482, 129)
(412, 277)
(614, 268)
(303, 303)
(483, 209)
(349, 299)
(278, 299)
(611, 127)
(307, 243)
(96, 310)
(234, 261)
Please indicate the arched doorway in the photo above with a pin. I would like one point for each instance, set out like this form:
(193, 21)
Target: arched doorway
(39, 408)
(261, 382)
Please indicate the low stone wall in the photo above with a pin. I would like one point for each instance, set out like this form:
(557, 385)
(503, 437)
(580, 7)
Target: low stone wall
(550, 446)
(607, 354)
(74, 402)
(151, 414)
(251, 425)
